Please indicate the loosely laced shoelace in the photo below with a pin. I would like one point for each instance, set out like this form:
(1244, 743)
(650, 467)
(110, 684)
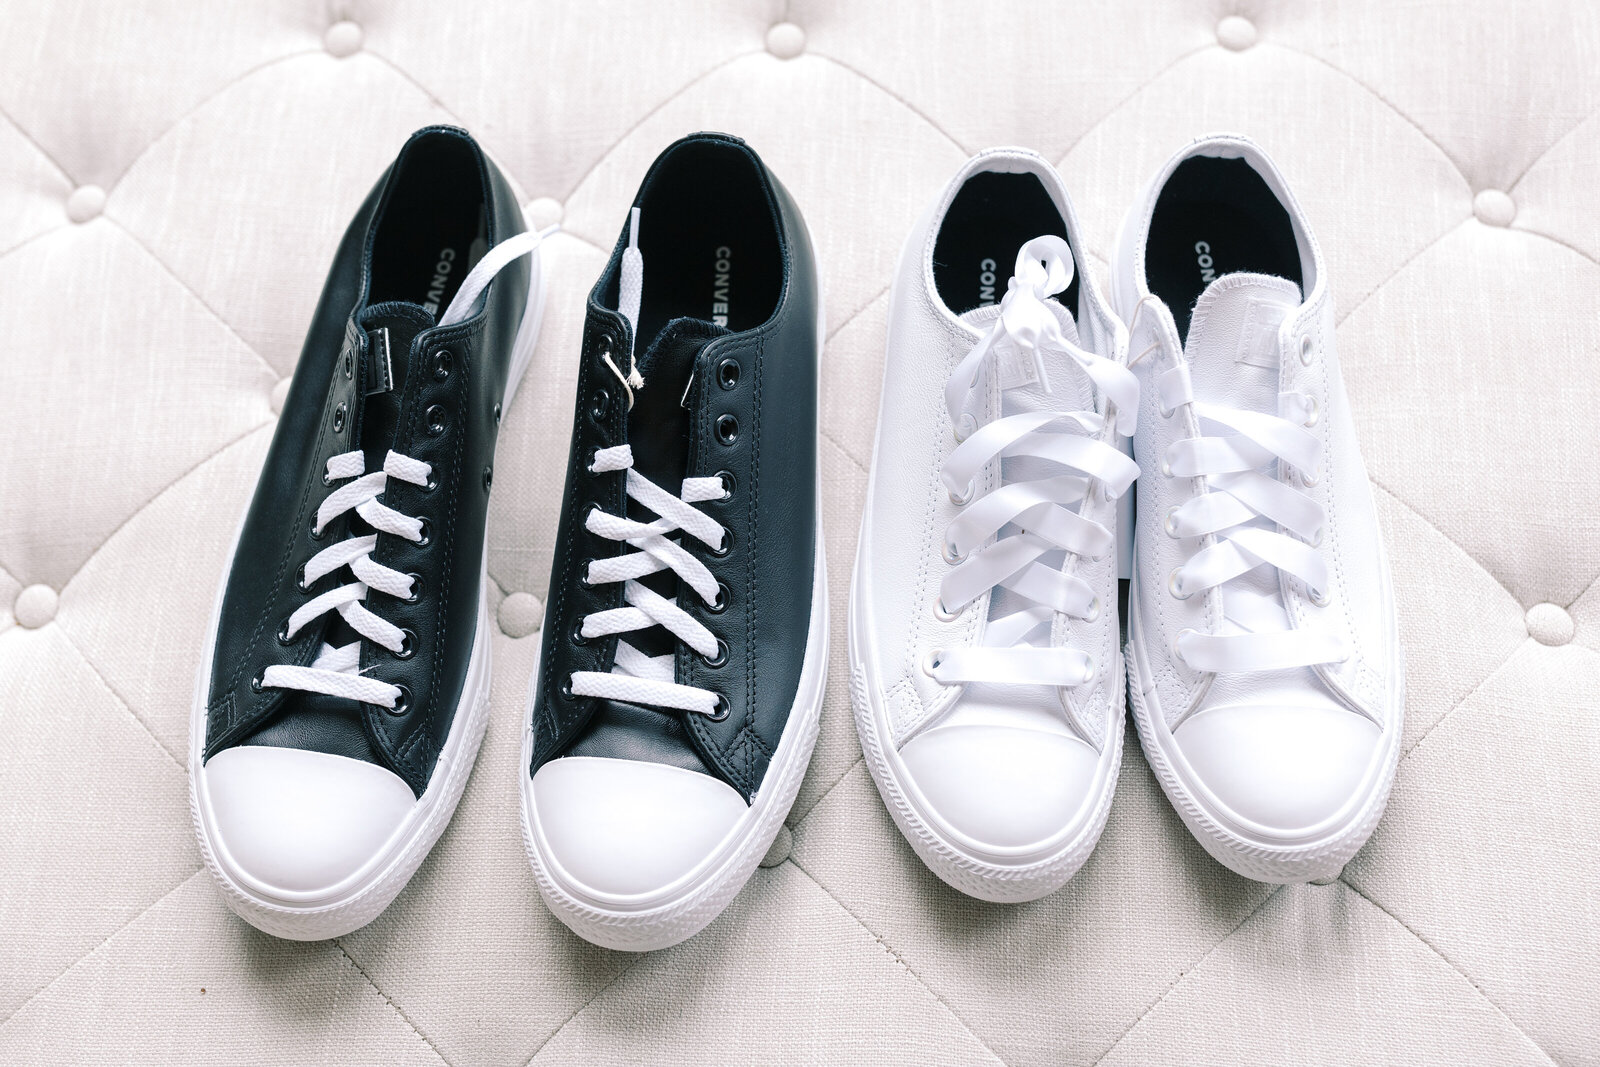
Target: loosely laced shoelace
(636, 677)
(336, 671)
(1238, 494)
(1027, 519)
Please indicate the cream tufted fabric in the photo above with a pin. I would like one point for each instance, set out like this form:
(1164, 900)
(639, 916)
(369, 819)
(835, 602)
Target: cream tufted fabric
(173, 179)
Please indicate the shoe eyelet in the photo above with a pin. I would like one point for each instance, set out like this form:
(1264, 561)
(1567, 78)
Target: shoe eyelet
(728, 373)
(488, 478)
(720, 659)
(339, 414)
(583, 572)
(1175, 584)
(497, 414)
(256, 683)
(961, 500)
(408, 645)
(300, 578)
(1093, 614)
(726, 546)
(727, 429)
(1307, 479)
(1088, 674)
(576, 635)
(965, 427)
(1171, 523)
(437, 420)
(728, 485)
(424, 534)
(605, 345)
(951, 556)
(1165, 413)
(1313, 412)
(942, 613)
(1166, 467)
(349, 365)
(1305, 351)
(433, 483)
(931, 662)
(566, 689)
(317, 535)
(1315, 540)
(1179, 637)
(283, 633)
(327, 479)
(441, 365)
(721, 711)
(416, 589)
(1317, 597)
(719, 605)
(600, 406)
(402, 703)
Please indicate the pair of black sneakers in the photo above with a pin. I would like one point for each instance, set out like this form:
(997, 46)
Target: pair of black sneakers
(344, 686)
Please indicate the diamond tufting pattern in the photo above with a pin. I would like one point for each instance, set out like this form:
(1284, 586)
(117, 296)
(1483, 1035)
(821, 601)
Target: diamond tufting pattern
(173, 179)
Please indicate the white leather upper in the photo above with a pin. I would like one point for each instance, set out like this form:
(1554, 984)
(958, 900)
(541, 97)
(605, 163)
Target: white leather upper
(628, 828)
(297, 823)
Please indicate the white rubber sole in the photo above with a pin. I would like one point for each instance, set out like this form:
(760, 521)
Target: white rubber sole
(360, 898)
(685, 908)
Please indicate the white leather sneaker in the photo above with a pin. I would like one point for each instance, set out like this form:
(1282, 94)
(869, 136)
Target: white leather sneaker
(984, 647)
(1263, 659)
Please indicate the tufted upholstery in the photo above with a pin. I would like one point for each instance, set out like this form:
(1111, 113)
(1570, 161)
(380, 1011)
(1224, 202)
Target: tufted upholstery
(173, 179)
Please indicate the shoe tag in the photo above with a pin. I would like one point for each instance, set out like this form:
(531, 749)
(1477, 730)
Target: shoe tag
(1258, 335)
(1016, 367)
(378, 374)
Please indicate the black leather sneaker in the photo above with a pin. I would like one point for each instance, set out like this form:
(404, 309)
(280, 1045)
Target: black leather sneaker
(344, 687)
(685, 648)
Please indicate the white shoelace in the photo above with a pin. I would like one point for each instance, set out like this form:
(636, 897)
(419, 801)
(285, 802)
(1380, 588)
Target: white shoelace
(1043, 511)
(336, 671)
(1237, 495)
(637, 678)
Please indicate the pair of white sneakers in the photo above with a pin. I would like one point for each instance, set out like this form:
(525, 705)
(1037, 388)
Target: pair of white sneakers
(986, 652)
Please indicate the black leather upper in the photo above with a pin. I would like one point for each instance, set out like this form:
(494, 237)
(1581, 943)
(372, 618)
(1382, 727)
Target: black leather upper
(770, 515)
(335, 371)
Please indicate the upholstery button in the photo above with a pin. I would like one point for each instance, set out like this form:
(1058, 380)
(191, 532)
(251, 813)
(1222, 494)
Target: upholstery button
(35, 606)
(342, 39)
(85, 203)
(1549, 624)
(1236, 33)
(781, 846)
(545, 211)
(520, 614)
(280, 393)
(1494, 208)
(786, 40)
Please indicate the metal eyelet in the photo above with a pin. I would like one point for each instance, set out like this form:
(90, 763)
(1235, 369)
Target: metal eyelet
(965, 427)
(719, 605)
(1307, 479)
(497, 414)
(283, 633)
(1165, 413)
(1305, 351)
(566, 688)
(424, 534)
(1173, 584)
(327, 479)
(416, 588)
(931, 661)
(339, 414)
(441, 365)
(961, 500)
(721, 711)
(1315, 540)
(1171, 523)
(728, 484)
(1166, 467)
(1313, 412)
(1317, 597)
(1093, 612)
(1088, 675)
(349, 365)
(576, 635)
(942, 613)
(728, 373)
(605, 345)
(726, 546)
(727, 429)
(437, 420)
(317, 535)
(720, 658)
(402, 703)
(255, 683)
(300, 577)
(408, 645)
(488, 478)
(951, 556)
(583, 572)
(600, 406)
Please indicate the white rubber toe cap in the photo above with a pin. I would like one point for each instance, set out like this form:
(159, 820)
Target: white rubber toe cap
(627, 828)
(1001, 788)
(1287, 770)
(298, 823)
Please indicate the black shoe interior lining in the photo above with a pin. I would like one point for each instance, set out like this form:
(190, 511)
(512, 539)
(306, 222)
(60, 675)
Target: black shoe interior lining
(992, 216)
(710, 243)
(1215, 217)
(434, 227)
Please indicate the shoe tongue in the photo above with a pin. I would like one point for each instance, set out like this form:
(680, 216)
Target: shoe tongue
(1021, 390)
(1233, 340)
(381, 411)
(658, 424)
